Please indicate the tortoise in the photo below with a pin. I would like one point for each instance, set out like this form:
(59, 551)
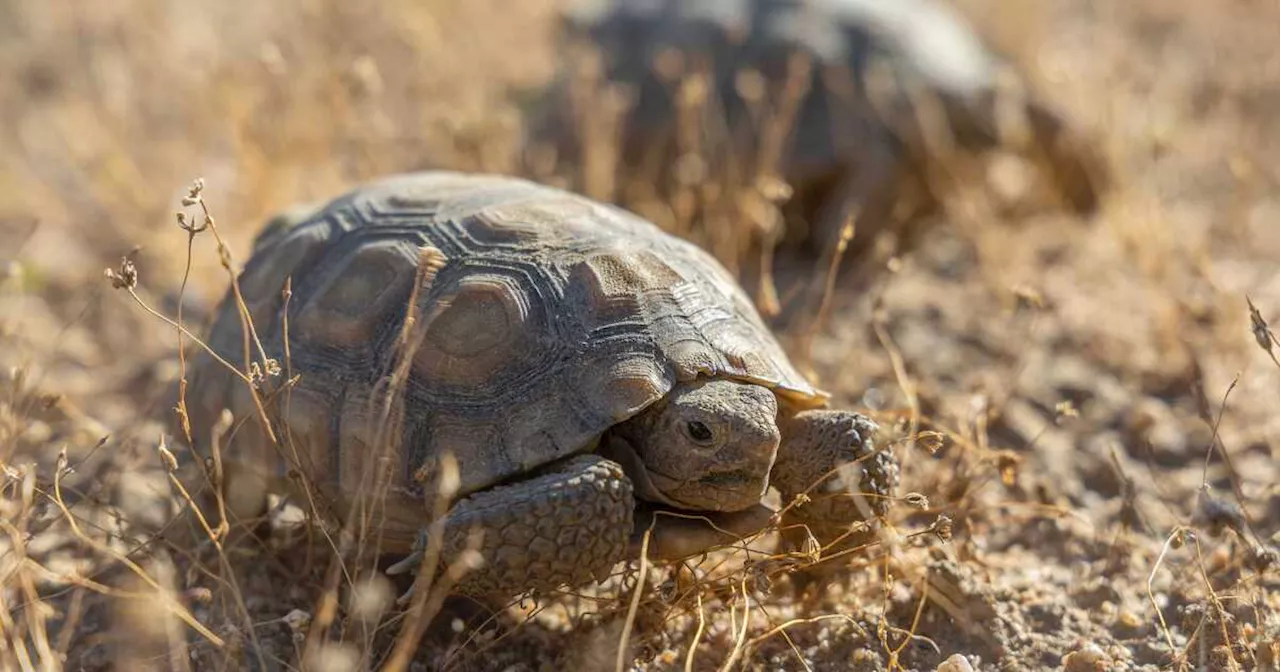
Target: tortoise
(584, 370)
(856, 143)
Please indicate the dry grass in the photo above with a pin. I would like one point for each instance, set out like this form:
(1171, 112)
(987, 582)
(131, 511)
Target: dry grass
(1086, 414)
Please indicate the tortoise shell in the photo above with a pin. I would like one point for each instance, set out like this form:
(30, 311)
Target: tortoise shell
(883, 78)
(917, 43)
(552, 318)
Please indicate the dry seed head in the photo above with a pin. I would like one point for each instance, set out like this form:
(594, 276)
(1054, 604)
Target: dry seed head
(1007, 463)
(124, 277)
(811, 549)
(258, 373)
(1264, 558)
(167, 456)
(1261, 330)
(194, 192)
(190, 226)
(942, 528)
(931, 441)
(916, 500)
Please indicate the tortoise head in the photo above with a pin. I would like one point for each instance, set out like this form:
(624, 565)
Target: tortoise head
(708, 445)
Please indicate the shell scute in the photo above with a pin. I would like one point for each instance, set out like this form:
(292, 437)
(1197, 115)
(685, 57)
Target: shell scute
(553, 318)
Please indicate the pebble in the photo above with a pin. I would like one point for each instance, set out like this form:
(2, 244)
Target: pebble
(956, 663)
(1088, 658)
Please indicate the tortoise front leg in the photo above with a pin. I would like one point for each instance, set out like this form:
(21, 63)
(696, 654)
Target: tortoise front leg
(566, 526)
(817, 443)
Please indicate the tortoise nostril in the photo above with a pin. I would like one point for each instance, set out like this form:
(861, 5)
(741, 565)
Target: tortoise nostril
(730, 479)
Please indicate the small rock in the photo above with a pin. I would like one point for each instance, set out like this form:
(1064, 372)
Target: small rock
(956, 663)
(1130, 624)
(1088, 658)
(297, 620)
(865, 658)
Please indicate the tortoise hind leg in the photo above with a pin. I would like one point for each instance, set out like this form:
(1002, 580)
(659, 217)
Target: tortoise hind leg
(567, 525)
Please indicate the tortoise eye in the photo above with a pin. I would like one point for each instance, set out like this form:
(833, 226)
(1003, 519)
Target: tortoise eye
(698, 431)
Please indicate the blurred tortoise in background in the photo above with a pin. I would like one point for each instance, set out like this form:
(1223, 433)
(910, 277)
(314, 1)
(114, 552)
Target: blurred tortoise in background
(835, 108)
(582, 368)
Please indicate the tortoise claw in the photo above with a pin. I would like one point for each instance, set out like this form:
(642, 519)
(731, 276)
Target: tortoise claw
(416, 555)
(407, 596)
(408, 564)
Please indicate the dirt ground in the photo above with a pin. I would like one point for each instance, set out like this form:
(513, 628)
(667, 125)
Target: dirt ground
(1107, 420)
